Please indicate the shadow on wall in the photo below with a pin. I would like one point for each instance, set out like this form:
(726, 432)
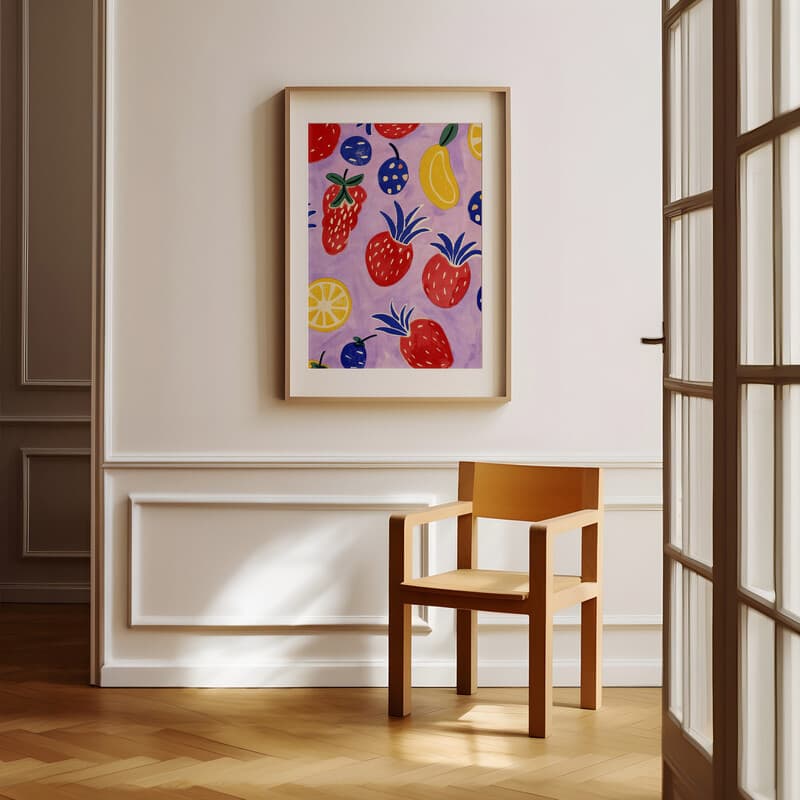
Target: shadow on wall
(269, 179)
(288, 576)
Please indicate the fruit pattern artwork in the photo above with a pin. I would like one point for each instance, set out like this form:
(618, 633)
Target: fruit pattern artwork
(395, 257)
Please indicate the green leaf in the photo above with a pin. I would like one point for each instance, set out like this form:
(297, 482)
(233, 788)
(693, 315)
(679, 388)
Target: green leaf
(449, 133)
(354, 181)
(343, 196)
(334, 178)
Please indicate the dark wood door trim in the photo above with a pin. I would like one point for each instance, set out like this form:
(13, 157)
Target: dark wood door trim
(97, 573)
(725, 636)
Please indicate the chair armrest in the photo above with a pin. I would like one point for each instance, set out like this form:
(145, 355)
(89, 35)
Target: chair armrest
(401, 527)
(567, 522)
(432, 514)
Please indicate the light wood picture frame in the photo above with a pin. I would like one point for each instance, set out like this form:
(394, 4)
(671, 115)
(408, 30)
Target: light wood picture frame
(397, 243)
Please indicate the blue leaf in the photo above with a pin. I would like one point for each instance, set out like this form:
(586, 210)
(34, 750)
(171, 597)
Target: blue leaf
(441, 248)
(448, 245)
(393, 331)
(390, 223)
(457, 244)
(400, 218)
(391, 321)
(410, 235)
(465, 256)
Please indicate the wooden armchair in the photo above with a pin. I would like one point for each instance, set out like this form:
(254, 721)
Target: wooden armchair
(554, 500)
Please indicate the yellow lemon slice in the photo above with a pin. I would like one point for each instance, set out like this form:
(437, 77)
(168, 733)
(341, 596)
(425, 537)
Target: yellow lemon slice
(329, 304)
(437, 178)
(475, 140)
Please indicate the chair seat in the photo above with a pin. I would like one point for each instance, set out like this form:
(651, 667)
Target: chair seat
(500, 585)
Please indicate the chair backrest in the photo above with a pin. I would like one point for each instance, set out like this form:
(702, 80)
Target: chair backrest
(527, 493)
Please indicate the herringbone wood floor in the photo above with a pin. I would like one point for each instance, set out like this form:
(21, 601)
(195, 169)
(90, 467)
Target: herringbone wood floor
(62, 740)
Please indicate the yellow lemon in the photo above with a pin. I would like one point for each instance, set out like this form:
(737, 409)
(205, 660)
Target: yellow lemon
(435, 173)
(329, 304)
(475, 140)
(437, 178)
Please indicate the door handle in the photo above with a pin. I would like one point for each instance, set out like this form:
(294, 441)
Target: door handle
(654, 339)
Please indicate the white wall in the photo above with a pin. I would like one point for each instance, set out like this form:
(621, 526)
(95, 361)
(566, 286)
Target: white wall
(195, 330)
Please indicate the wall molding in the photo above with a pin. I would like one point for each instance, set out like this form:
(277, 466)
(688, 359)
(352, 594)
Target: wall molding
(44, 592)
(339, 503)
(25, 379)
(27, 454)
(342, 673)
(644, 503)
(409, 462)
(16, 419)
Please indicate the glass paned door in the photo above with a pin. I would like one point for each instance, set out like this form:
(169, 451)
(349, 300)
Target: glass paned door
(688, 397)
(731, 93)
(768, 384)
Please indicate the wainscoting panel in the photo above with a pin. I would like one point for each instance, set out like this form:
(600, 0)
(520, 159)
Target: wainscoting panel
(55, 502)
(275, 575)
(274, 570)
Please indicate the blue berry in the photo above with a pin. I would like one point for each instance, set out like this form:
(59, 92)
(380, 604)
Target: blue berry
(356, 150)
(475, 207)
(393, 174)
(354, 354)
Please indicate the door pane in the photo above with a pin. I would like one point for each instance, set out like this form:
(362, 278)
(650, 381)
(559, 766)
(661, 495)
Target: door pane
(790, 239)
(756, 256)
(676, 111)
(691, 476)
(692, 296)
(677, 260)
(789, 722)
(755, 63)
(700, 717)
(678, 431)
(789, 57)
(791, 501)
(690, 78)
(699, 86)
(758, 490)
(757, 765)
(700, 322)
(700, 483)
(676, 641)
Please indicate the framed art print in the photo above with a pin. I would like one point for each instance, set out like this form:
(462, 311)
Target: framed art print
(397, 243)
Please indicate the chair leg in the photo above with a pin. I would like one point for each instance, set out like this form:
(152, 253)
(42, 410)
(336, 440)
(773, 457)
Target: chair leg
(399, 659)
(591, 654)
(540, 673)
(466, 652)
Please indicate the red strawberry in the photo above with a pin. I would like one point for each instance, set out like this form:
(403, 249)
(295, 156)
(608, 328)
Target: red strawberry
(446, 276)
(322, 139)
(341, 204)
(423, 343)
(395, 130)
(389, 253)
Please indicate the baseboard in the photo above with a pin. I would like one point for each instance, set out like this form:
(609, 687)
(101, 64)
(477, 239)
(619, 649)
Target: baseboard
(44, 593)
(616, 672)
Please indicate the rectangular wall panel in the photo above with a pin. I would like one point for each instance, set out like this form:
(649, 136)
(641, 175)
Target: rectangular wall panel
(55, 502)
(244, 560)
(56, 192)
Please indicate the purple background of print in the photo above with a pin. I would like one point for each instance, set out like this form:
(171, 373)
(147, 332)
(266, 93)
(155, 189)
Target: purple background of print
(462, 322)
